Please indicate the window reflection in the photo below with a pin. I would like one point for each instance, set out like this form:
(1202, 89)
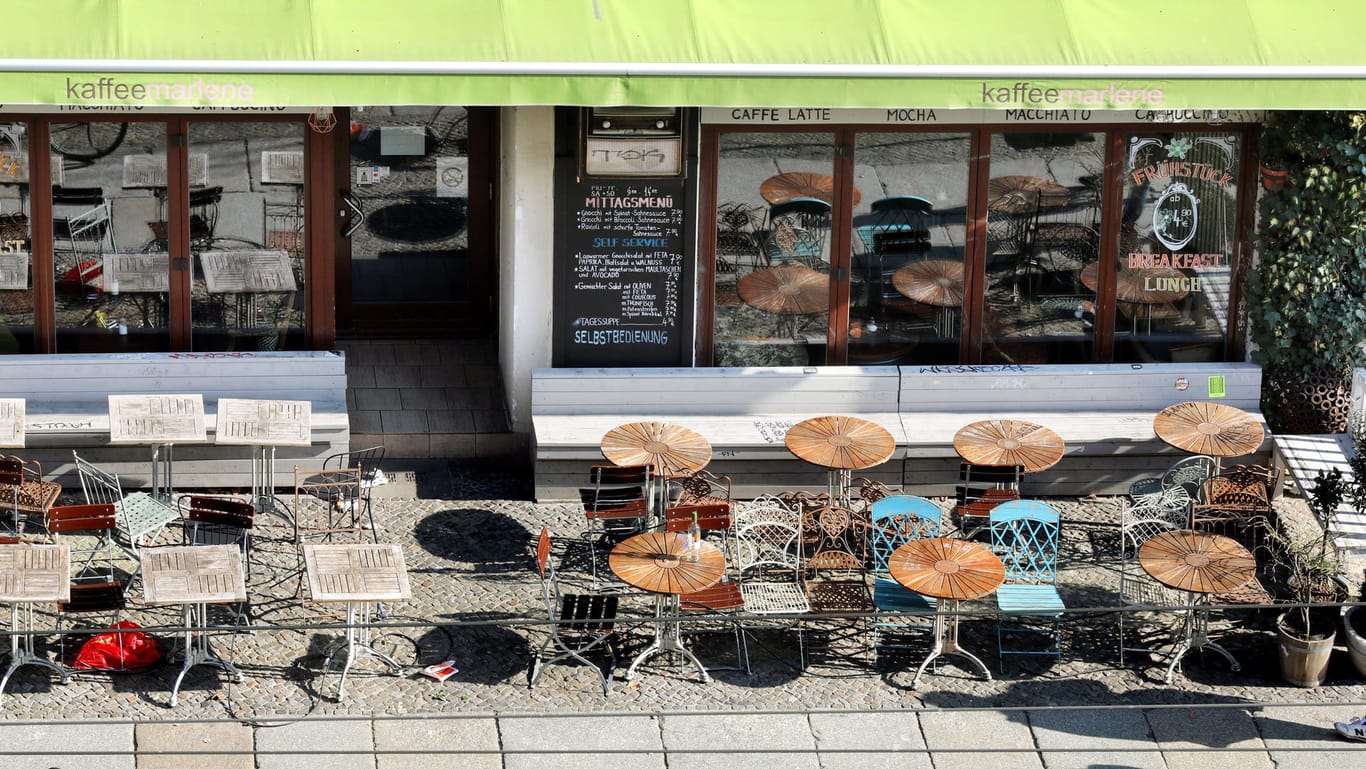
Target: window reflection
(111, 269)
(1043, 238)
(246, 217)
(774, 192)
(1175, 250)
(906, 289)
(16, 249)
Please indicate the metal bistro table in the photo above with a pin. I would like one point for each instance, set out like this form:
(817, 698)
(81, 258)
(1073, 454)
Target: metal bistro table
(841, 444)
(670, 450)
(952, 570)
(160, 421)
(195, 576)
(31, 574)
(1009, 442)
(654, 562)
(1199, 564)
(264, 425)
(357, 575)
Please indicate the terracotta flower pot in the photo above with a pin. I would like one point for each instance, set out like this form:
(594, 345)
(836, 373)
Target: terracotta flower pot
(1272, 178)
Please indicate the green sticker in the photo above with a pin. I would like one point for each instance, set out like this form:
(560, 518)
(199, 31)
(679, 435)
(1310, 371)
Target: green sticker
(1216, 387)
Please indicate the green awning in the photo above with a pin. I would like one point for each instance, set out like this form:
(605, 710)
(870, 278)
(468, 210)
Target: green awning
(1176, 54)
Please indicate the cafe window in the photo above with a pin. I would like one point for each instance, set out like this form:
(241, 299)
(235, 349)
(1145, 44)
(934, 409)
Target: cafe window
(16, 243)
(772, 287)
(1042, 243)
(111, 269)
(1176, 246)
(245, 201)
(962, 255)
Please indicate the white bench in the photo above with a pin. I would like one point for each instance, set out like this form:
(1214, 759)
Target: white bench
(743, 412)
(1103, 413)
(67, 408)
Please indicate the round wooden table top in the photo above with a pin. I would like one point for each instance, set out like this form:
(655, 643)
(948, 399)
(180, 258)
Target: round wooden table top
(937, 282)
(1019, 194)
(840, 443)
(1212, 429)
(653, 561)
(789, 289)
(943, 567)
(800, 184)
(1197, 562)
(672, 450)
(1008, 442)
(1131, 284)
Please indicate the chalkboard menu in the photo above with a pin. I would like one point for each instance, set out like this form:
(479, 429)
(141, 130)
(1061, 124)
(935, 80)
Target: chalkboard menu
(621, 274)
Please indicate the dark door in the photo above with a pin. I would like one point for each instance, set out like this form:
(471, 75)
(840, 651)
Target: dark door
(421, 258)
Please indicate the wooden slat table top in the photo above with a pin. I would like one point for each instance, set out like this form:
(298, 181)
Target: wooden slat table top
(35, 573)
(672, 450)
(840, 442)
(1212, 429)
(1197, 562)
(192, 574)
(1007, 442)
(356, 572)
(653, 562)
(944, 567)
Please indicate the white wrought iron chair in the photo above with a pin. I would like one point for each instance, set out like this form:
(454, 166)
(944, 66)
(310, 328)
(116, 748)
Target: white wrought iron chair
(767, 540)
(1137, 590)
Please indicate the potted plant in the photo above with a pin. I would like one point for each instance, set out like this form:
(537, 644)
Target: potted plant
(1307, 288)
(1306, 631)
(1354, 630)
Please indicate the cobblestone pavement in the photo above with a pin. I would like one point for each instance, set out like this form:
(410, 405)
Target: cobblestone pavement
(476, 597)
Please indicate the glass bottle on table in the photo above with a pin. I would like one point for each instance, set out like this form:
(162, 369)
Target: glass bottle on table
(694, 539)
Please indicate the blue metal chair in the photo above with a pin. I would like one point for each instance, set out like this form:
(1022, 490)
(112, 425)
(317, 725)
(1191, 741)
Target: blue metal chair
(894, 521)
(1024, 534)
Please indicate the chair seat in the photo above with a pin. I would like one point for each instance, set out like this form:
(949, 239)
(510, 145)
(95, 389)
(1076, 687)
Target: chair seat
(889, 595)
(774, 598)
(837, 596)
(140, 513)
(34, 496)
(723, 596)
(579, 607)
(1029, 599)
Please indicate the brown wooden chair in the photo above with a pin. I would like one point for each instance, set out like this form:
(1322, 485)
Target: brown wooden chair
(219, 521)
(23, 490)
(722, 598)
(700, 488)
(98, 583)
(579, 624)
(981, 488)
(615, 506)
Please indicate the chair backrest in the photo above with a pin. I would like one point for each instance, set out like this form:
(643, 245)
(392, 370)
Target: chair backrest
(219, 511)
(767, 534)
(99, 486)
(896, 520)
(550, 583)
(11, 472)
(980, 475)
(837, 541)
(617, 488)
(1024, 535)
(77, 196)
(798, 231)
(543, 565)
(367, 460)
(1190, 473)
(1141, 523)
(92, 562)
(713, 517)
(700, 487)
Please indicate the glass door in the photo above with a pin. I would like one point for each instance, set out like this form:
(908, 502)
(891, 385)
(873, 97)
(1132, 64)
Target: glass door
(111, 263)
(420, 257)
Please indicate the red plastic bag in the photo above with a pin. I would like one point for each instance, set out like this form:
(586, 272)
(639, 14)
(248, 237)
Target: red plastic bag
(129, 650)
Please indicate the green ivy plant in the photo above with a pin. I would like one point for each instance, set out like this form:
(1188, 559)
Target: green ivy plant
(1306, 296)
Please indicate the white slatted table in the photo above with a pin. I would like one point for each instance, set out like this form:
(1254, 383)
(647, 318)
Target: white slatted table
(31, 574)
(160, 421)
(194, 577)
(357, 575)
(1304, 457)
(264, 425)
